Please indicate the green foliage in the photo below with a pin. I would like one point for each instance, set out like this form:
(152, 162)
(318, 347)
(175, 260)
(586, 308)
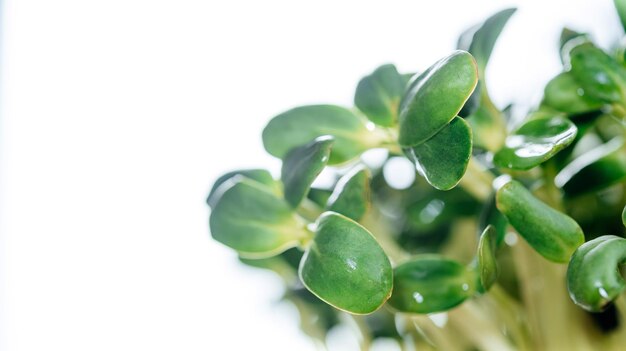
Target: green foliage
(378, 95)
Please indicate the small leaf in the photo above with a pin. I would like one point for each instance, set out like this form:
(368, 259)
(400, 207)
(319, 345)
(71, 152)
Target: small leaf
(302, 165)
(487, 264)
(351, 195)
(593, 278)
(565, 94)
(551, 233)
(601, 77)
(346, 267)
(620, 6)
(319, 196)
(378, 95)
(254, 221)
(435, 97)
(430, 283)
(535, 142)
(297, 126)
(443, 159)
(490, 216)
(594, 170)
(260, 175)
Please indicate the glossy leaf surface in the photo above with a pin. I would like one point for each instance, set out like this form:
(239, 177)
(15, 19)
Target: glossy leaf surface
(254, 221)
(300, 125)
(487, 264)
(563, 93)
(443, 159)
(593, 278)
(302, 165)
(346, 267)
(601, 77)
(351, 195)
(436, 97)
(378, 95)
(429, 284)
(551, 233)
(535, 142)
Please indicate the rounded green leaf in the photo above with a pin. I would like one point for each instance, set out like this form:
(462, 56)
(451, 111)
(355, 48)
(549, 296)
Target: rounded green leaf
(551, 233)
(260, 175)
(302, 165)
(563, 93)
(436, 97)
(351, 195)
(535, 142)
(429, 284)
(378, 95)
(443, 159)
(346, 267)
(487, 265)
(601, 77)
(593, 278)
(254, 221)
(298, 126)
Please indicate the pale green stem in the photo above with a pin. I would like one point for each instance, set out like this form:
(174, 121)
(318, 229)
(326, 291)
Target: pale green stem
(378, 226)
(479, 328)
(309, 210)
(441, 337)
(477, 181)
(513, 316)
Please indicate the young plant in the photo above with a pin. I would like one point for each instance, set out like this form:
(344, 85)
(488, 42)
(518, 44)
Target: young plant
(481, 251)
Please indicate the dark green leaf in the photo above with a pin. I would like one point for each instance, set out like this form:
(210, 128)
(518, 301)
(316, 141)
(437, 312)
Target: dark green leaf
(593, 278)
(490, 216)
(302, 165)
(551, 233)
(429, 284)
(487, 264)
(443, 159)
(260, 175)
(535, 142)
(378, 95)
(351, 195)
(346, 267)
(436, 97)
(300, 125)
(472, 104)
(565, 94)
(601, 77)
(254, 221)
(319, 196)
(439, 208)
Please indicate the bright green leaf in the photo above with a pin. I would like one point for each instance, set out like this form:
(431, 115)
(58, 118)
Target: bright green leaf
(535, 142)
(487, 265)
(565, 94)
(378, 95)
(435, 98)
(346, 267)
(351, 194)
(302, 165)
(260, 175)
(601, 77)
(551, 233)
(443, 159)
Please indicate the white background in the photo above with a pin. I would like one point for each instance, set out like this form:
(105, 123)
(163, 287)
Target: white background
(118, 115)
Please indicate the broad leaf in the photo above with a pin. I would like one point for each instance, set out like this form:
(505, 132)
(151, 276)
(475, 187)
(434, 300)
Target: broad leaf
(378, 95)
(351, 195)
(435, 98)
(254, 221)
(551, 233)
(593, 278)
(487, 265)
(535, 142)
(297, 126)
(601, 77)
(302, 165)
(429, 284)
(346, 267)
(443, 159)
(260, 175)
(565, 94)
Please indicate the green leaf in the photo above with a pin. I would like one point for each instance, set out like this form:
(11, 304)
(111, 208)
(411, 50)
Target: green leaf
(254, 221)
(260, 175)
(601, 77)
(551, 233)
(438, 208)
(488, 125)
(487, 265)
(565, 94)
(443, 159)
(351, 195)
(624, 216)
(594, 170)
(319, 196)
(430, 283)
(620, 6)
(346, 267)
(302, 165)
(378, 95)
(593, 278)
(490, 216)
(535, 142)
(298, 126)
(435, 98)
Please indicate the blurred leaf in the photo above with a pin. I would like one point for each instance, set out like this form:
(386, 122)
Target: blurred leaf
(490, 216)
(260, 175)
(302, 165)
(624, 216)
(551, 233)
(319, 196)
(472, 104)
(298, 126)
(620, 6)
(430, 283)
(487, 264)
(488, 125)
(378, 95)
(351, 195)
(565, 94)
(535, 142)
(601, 77)
(316, 317)
(254, 221)
(435, 98)
(593, 278)
(346, 267)
(443, 159)
(440, 207)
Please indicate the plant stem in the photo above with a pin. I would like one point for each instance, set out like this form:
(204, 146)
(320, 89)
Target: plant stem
(479, 328)
(477, 181)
